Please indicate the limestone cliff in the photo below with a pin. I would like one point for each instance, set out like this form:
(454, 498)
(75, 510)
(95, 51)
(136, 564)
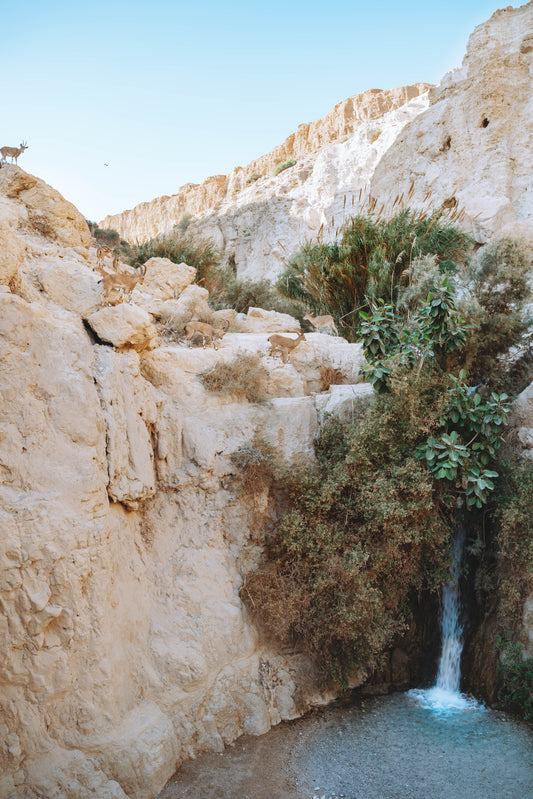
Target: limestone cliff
(125, 537)
(160, 215)
(466, 143)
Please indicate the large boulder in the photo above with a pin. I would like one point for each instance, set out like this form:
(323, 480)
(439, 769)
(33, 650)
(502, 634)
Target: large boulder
(166, 280)
(70, 283)
(60, 217)
(124, 325)
(260, 321)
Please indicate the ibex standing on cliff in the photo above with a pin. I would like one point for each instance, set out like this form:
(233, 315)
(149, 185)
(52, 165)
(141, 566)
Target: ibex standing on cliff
(115, 282)
(322, 323)
(12, 152)
(206, 331)
(284, 344)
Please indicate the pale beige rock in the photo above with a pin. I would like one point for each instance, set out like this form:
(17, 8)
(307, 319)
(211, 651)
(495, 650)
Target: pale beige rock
(147, 220)
(12, 213)
(227, 315)
(260, 321)
(465, 145)
(474, 141)
(191, 304)
(12, 251)
(284, 380)
(124, 645)
(69, 226)
(342, 401)
(320, 351)
(291, 427)
(165, 280)
(70, 775)
(100, 615)
(129, 409)
(71, 284)
(14, 181)
(137, 753)
(266, 220)
(124, 325)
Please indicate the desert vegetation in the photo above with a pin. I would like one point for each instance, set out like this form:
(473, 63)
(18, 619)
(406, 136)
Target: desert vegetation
(244, 377)
(179, 247)
(225, 289)
(445, 334)
(371, 259)
(257, 464)
(283, 165)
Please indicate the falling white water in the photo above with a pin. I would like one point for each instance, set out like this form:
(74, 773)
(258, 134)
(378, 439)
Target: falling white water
(445, 696)
(449, 673)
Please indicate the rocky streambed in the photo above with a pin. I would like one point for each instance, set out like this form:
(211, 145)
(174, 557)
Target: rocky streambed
(381, 748)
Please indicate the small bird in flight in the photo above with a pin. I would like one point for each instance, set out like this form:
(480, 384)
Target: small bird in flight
(106, 164)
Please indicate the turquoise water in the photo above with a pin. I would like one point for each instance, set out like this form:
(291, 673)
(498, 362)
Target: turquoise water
(388, 747)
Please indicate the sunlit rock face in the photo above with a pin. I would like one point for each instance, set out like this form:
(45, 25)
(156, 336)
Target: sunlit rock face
(465, 145)
(259, 217)
(472, 148)
(125, 534)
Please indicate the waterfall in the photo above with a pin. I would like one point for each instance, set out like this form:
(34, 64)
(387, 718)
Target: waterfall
(445, 696)
(449, 673)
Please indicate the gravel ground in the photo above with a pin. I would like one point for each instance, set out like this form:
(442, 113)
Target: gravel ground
(385, 748)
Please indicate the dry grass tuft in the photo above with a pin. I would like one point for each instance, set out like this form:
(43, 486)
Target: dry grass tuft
(244, 377)
(257, 463)
(330, 377)
(39, 224)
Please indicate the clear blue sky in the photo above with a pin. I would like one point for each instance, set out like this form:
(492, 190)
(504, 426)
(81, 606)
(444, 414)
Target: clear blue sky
(169, 93)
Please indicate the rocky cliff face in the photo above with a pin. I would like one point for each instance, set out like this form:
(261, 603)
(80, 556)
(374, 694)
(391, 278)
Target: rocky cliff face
(251, 185)
(466, 143)
(472, 147)
(125, 536)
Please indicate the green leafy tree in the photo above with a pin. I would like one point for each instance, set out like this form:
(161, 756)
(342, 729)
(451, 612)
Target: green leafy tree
(369, 262)
(470, 429)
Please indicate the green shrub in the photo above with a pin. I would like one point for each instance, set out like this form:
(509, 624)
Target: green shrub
(368, 527)
(253, 178)
(369, 262)
(363, 536)
(470, 427)
(283, 165)
(243, 294)
(244, 377)
(183, 248)
(516, 673)
(257, 463)
(106, 236)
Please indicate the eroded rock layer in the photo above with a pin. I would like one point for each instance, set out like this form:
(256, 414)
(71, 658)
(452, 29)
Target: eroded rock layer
(464, 145)
(125, 534)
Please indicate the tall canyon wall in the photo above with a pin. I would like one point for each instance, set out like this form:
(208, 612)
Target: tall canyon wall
(125, 534)
(466, 143)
